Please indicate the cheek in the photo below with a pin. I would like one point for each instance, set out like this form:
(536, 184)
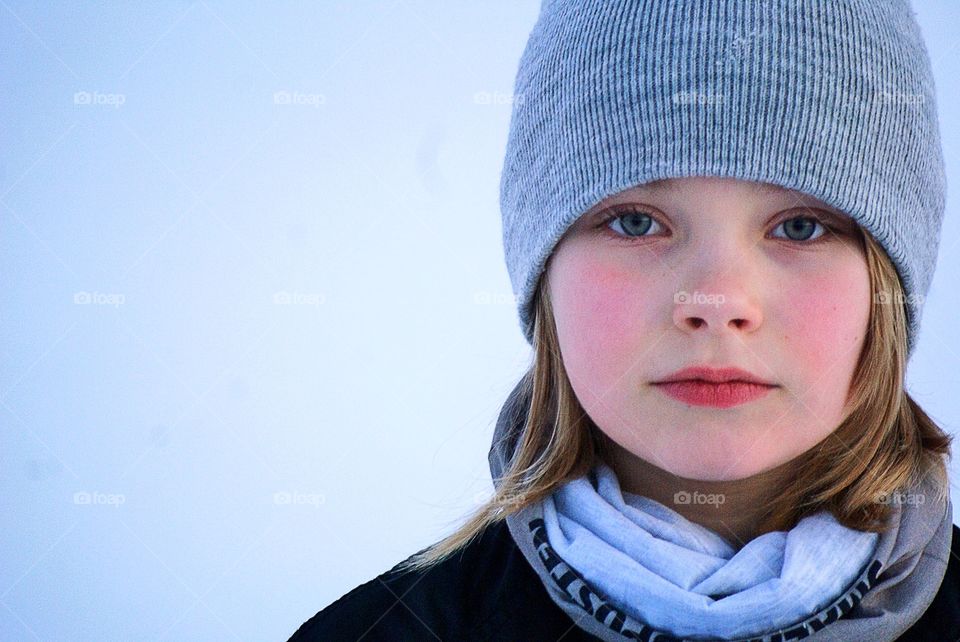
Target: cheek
(603, 312)
(825, 317)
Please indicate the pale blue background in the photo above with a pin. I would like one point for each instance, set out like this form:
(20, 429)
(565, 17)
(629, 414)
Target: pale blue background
(186, 389)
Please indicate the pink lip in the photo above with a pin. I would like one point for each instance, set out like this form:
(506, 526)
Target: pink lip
(716, 387)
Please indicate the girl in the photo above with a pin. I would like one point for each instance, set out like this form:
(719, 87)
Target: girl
(720, 219)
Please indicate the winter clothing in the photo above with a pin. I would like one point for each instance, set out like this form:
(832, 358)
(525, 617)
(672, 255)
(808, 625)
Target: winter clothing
(637, 567)
(833, 98)
(681, 577)
(489, 593)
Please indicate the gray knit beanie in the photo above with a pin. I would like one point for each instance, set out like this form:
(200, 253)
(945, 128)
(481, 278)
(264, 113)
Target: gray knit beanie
(833, 98)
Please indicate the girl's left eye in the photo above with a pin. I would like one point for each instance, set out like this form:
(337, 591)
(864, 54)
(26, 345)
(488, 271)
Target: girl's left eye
(632, 223)
(800, 228)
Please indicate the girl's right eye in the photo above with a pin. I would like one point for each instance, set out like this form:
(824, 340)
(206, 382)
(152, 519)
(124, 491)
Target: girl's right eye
(629, 224)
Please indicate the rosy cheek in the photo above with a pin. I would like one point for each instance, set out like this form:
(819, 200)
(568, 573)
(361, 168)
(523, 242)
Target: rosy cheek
(601, 310)
(824, 317)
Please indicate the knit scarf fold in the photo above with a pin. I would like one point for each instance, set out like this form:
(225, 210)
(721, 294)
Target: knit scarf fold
(624, 566)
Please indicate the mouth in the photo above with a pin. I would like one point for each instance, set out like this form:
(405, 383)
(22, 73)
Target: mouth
(725, 394)
(716, 387)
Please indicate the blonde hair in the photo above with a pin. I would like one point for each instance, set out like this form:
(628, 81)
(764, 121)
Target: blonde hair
(885, 444)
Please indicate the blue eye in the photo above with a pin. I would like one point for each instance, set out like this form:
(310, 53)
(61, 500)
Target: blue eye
(800, 228)
(631, 223)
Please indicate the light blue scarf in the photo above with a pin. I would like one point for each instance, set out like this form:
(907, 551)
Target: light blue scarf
(625, 567)
(681, 577)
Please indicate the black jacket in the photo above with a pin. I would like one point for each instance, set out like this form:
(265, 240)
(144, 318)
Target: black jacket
(489, 592)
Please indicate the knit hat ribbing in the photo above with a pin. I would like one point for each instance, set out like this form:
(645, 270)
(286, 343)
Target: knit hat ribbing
(833, 98)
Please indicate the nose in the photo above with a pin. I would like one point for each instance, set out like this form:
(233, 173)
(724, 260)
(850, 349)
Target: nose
(719, 310)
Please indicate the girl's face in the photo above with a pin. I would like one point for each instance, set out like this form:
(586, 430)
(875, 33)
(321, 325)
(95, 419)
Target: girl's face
(717, 272)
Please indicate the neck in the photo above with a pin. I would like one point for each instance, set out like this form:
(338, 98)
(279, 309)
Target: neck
(731, 508)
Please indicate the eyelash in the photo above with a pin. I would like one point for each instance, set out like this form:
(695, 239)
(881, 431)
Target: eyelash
(617, 212)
